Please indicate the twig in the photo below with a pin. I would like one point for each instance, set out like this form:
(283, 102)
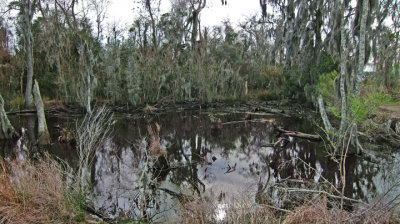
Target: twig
(279, 209)
(325, 180)
(322, 192)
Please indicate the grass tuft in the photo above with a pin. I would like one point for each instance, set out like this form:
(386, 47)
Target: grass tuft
(33, 193)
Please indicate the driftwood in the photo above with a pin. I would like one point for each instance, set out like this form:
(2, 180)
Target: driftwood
(299, 134)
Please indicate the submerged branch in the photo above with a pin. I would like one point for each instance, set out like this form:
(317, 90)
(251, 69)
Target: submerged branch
(323, 192)
(299, 134)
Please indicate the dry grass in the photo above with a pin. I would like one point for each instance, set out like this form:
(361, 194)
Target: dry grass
(239, 211)
(318, 212)
(196, 211)
(32, 193)
(54, 104)
(315, 211)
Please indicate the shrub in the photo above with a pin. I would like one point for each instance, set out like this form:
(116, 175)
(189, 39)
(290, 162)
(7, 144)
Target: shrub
(268, 95)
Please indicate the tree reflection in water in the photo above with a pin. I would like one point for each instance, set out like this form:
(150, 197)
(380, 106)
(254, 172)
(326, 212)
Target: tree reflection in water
(232, 164)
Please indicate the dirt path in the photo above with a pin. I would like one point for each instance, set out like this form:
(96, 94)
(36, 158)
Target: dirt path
(391, 108)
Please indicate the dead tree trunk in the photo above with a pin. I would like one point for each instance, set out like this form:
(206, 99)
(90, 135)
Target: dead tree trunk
(7, 130)
(43, 133)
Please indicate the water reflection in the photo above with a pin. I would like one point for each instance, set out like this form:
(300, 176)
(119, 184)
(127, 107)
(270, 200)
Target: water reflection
(232, 163)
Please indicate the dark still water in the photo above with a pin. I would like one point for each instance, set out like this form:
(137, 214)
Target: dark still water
(218, 165)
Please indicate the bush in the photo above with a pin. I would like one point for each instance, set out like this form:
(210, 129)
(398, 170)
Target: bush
(365, 105)
(267, 95)
(326, 86)
(270, 77)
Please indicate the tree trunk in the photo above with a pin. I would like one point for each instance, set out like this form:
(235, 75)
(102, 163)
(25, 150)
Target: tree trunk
(89, 94)
(325, 119)
(343, 69)
(7, 130)
(361, 51)
(153, 24)
(360, 69)
(27, 32)
(43, 133)
(194, 28)
(195, 21)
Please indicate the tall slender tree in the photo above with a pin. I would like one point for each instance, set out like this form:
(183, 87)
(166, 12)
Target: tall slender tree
(27, 10)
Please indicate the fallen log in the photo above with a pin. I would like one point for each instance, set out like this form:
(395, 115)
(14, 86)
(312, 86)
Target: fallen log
(271, 121)
(22, 112)
(299, 134)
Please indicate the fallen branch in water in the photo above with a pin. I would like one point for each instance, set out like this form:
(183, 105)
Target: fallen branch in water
(268, 145)
(250, 121)
(280, 143)
(322, 192)
(22, 112)
(299, 134)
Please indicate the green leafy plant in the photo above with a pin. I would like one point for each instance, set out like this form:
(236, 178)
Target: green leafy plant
(361, 107)
(325, 85)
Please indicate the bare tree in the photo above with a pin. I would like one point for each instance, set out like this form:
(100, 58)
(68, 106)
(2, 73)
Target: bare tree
(153, 13)
(196, 6)
(100, 9)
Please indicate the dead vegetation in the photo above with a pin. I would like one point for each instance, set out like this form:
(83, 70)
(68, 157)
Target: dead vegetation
(33, 193)
(318, 210)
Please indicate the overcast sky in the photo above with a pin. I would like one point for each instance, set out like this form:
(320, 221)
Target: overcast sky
(214, 13)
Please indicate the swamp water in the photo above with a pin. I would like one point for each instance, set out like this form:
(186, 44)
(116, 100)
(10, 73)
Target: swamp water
(218, 166)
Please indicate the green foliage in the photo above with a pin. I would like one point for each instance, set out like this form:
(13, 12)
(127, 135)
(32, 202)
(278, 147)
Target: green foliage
(325, 85)
(270, 77)
(47, 83)
(76, 202)
(320, 75)
(267, 95)
(228, 52)
(361, 107)
(291, 85)
(148, 108)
